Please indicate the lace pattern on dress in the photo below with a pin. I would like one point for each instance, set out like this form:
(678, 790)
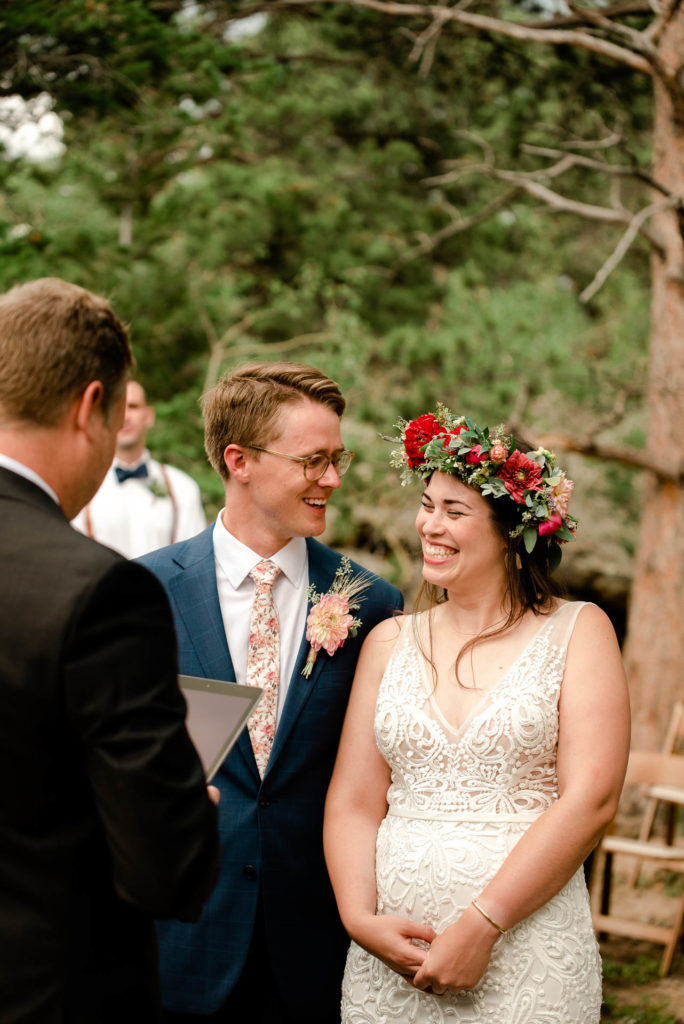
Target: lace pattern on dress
(459, 801)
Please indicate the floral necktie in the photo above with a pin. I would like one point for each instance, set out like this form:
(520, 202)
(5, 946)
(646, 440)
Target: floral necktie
(263, 662)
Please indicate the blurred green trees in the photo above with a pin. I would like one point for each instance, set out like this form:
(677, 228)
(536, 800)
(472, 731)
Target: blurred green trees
(270, 198)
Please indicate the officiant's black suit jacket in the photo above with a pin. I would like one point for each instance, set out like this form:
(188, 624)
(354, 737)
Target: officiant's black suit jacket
(104, 817)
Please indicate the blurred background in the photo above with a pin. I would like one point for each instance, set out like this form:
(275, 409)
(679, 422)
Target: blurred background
(318, 182)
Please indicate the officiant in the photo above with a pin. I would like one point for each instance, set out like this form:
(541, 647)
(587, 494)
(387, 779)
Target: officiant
(104, 813)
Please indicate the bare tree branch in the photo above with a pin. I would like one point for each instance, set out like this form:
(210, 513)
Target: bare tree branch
(218, 346)
(623, 245)
(612, 11)
(527, 182)
(426, 43)
(592, 164)
(539, 33)
(629, 36)
(299, 340)
(664, 12)
(619, 10)
(626, 456)
(617, 413)
(614, 138)
(457, 225)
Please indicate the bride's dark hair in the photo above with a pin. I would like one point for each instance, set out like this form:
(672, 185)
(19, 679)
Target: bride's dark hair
(529, 583)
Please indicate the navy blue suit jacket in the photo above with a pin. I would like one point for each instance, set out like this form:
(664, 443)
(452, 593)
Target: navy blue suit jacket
(271, 829)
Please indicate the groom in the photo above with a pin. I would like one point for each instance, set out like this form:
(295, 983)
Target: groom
(270, 946)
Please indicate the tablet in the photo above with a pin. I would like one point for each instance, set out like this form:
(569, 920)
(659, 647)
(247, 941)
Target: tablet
(217, 713)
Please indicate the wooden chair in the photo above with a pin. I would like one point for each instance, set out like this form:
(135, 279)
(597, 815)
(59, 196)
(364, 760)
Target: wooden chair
(658, 773)
(673, 744)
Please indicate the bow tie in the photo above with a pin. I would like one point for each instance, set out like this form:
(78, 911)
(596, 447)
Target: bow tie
(140, 472)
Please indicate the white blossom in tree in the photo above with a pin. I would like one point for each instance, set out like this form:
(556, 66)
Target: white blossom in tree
(30, 129)
(243, 28)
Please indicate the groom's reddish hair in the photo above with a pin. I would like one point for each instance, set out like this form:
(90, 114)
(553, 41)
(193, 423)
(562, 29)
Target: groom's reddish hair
(243, 407)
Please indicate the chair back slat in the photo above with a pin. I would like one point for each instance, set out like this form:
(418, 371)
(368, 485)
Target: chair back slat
(651, 768)
(674, 740)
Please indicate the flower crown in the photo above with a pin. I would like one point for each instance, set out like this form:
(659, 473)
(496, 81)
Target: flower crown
(492, 462)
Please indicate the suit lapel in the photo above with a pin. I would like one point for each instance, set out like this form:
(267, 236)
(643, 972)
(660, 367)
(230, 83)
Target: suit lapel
(323, 565)
(194, 592)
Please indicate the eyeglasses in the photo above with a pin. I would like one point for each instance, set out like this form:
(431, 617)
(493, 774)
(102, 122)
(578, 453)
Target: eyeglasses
(314, 466)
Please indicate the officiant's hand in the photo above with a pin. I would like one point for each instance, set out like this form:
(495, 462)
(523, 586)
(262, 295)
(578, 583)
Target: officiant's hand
(214, 794)
(390, 939)
(459, 956)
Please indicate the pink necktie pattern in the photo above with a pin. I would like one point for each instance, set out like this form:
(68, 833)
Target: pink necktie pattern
(263, 662)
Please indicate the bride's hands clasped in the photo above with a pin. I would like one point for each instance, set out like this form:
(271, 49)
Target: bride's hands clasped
(458, 957)
(390, 939)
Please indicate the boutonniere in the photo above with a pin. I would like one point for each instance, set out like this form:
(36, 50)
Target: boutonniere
(158, 489)
(329, 622)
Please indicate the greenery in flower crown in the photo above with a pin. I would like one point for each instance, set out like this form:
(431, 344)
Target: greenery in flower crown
(492, 461)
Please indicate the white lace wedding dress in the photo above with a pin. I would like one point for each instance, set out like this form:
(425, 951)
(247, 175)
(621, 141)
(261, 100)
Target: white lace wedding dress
(459, 800)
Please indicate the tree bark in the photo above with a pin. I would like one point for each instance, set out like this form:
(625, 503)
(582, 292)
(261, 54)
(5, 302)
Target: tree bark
(654, 650)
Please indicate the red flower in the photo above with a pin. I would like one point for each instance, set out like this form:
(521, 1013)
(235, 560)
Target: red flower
(475, 456)
(520, 474)
(417, 435)
(452, 433)
(550, 525)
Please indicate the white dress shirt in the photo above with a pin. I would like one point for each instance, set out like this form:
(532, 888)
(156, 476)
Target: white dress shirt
(138, 515)
(29, 474)
(236, 591)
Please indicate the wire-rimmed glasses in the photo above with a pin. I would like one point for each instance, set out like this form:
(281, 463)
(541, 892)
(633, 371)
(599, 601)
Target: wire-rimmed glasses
(314, 466)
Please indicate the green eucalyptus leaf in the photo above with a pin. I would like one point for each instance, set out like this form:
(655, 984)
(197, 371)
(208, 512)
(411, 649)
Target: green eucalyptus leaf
(555, 555)
(530, 538)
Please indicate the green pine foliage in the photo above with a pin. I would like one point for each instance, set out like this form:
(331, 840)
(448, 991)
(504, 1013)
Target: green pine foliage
(269, 199)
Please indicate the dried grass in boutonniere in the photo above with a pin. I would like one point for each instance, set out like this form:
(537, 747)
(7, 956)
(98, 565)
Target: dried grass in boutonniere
(329, 622)
(158, 489)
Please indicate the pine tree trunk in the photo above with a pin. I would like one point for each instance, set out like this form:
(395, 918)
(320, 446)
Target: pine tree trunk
(654, 651)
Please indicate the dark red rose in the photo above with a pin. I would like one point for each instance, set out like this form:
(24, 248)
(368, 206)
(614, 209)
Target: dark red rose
(417, 434)
(475, 456)
(550, 525)
(520, 474)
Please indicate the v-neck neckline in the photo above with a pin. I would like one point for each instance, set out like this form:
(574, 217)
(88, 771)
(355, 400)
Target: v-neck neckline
(486, 695)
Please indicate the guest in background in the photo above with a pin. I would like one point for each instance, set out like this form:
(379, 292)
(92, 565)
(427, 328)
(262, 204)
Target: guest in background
(105, 821)
(142, 504)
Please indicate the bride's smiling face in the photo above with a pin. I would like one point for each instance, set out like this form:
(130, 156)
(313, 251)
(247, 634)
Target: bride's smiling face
(460, 540)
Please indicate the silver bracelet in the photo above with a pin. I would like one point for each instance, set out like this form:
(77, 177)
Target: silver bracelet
(500, 930)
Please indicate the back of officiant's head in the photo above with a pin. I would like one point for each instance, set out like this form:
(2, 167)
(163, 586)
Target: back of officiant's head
(56, 338)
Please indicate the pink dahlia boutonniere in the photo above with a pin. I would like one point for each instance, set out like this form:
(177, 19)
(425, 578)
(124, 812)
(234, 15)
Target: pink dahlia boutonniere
(329, 622)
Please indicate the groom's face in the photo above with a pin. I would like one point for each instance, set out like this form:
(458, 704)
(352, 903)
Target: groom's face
(282, 503)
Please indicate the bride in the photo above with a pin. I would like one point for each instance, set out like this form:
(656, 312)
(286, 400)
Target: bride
(482, 755)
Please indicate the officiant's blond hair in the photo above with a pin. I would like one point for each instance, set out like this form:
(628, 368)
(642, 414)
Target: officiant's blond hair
(243, 407)
(55, 339)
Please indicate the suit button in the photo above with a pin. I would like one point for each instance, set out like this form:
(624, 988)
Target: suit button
(250, 872)
(263, 802)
